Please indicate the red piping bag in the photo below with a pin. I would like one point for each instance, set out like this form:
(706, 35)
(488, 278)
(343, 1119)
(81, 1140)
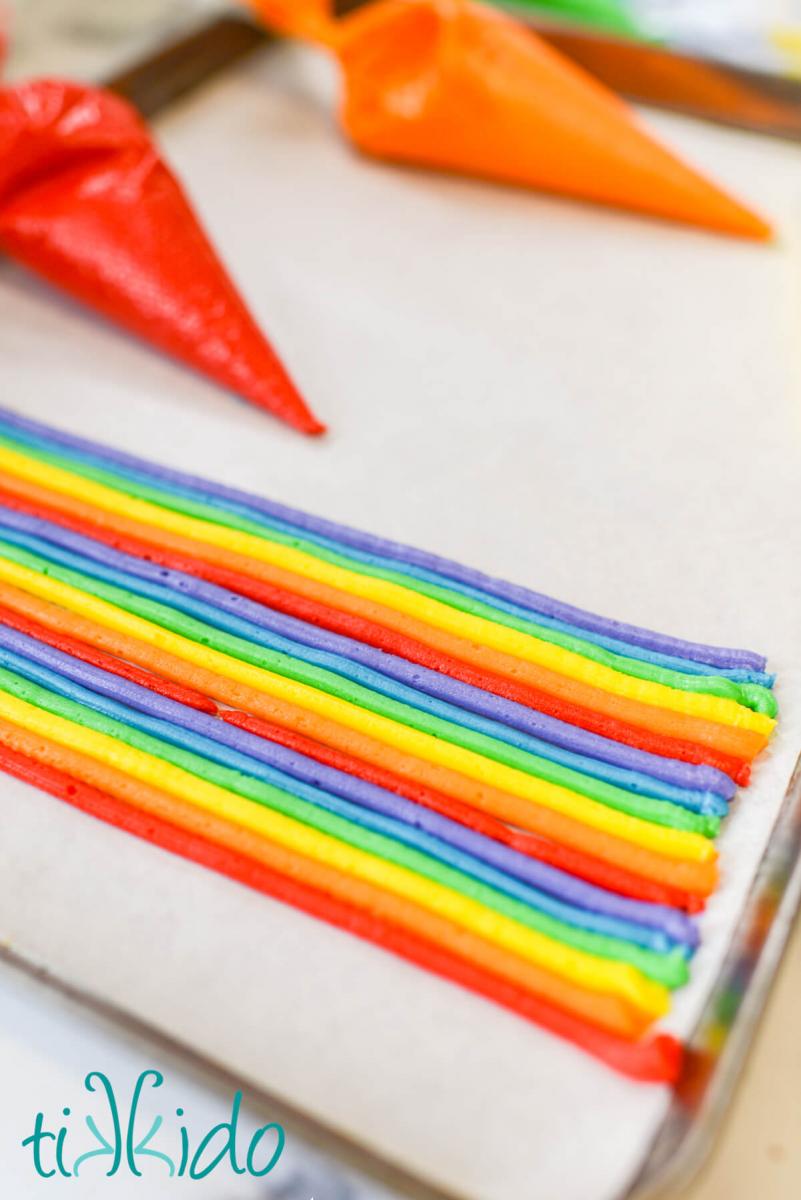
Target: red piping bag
(88, 203)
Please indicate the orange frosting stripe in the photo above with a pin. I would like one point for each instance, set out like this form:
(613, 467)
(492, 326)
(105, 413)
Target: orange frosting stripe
(607, 1012)
(728, 739)
(693, 877)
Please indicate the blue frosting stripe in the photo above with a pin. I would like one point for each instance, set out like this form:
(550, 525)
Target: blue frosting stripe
(267, 650)
(533, 602)
(185, 736)
(410, 684)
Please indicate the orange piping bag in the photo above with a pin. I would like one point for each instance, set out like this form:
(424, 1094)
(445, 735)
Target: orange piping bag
(457, 85)
(603, 1010)
(698, 878)
(88, 203)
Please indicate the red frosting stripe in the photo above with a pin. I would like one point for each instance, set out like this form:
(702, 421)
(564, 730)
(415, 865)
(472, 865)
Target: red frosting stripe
(697, 878)
(576, 862)
(81, 518)
(656, 1059)
(107, 662)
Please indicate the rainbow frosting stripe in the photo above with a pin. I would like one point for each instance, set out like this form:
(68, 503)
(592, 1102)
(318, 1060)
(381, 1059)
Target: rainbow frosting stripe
(509, 791)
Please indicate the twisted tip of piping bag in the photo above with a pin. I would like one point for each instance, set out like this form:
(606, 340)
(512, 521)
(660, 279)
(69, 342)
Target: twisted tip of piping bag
(311, 20)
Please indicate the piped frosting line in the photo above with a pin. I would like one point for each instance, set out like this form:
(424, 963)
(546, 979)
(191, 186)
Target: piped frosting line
(610, 652)
(566, 724)
(727, 739)
(607, 875)
(174, 721)
(656, 928)
(573, 866)
(516, 594)
(615, 978)
(199, 837)
(695, 880)
(376, 673)
(719, 708)
(676, 841)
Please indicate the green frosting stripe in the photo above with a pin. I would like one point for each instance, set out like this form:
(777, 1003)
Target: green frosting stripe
(660, 812)
(669, 969)
(753, 696)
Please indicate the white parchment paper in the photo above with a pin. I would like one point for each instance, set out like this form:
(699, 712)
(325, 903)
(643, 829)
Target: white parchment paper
(604, 408)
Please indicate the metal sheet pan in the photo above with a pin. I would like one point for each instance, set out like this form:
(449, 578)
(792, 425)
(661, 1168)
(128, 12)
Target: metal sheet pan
(717, 1047)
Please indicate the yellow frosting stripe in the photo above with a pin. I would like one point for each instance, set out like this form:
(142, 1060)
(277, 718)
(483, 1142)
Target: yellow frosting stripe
(672, 843)
(584, 969)
(393, 595)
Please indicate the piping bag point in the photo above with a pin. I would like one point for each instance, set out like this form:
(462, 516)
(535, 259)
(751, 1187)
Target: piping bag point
(459, 86)
(88, 204)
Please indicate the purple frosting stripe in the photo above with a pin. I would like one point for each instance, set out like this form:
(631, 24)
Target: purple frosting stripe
(675, 925)
(569, 738)
(515, 593)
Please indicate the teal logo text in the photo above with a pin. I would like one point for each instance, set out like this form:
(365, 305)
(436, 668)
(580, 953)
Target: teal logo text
(121, 1142)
